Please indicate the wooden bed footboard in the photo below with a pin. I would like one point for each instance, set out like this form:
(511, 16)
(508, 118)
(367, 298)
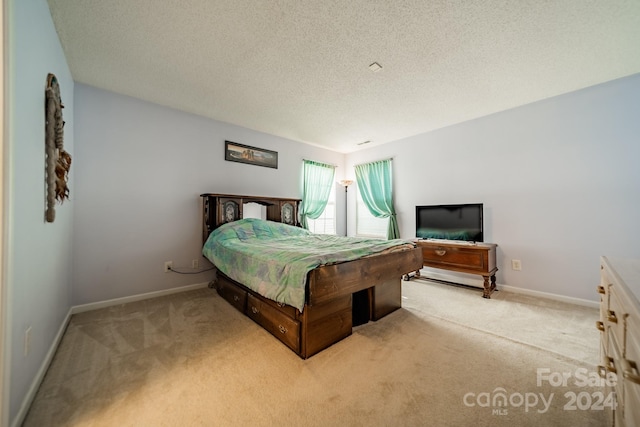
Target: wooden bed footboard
(328, 315)
(329, 281)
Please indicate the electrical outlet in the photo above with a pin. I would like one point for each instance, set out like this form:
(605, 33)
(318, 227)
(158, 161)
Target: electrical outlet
(195, 263)
(516, 264)
(168, 265)
(27, 341)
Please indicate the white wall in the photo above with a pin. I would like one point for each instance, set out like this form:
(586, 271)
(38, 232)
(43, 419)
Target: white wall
(39, 253)
(559, 180)
(140, 169)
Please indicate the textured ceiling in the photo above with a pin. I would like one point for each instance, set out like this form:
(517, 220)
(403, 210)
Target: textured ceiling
(299, 69)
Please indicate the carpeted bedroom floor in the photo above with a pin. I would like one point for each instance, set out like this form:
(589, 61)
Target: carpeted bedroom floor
(445, 359)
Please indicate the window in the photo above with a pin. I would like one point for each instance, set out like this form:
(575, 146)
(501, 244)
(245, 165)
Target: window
(318, 188)
(368, 225)
(326, 222)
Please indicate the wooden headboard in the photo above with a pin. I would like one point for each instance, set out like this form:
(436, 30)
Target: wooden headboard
(218, 209)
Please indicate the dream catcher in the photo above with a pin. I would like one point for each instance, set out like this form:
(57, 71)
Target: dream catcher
(58, 161)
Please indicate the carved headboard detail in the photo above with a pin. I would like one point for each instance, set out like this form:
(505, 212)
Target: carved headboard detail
(218, 209)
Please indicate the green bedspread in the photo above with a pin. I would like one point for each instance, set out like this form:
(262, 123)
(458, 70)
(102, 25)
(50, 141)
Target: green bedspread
(273, 259)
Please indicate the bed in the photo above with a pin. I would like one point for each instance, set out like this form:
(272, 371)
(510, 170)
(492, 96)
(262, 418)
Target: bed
(315, 301)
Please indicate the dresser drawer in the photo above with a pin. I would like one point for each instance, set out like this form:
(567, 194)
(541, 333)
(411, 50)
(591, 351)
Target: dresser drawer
(632, 350)
(235, 295)
(601, 323)
(279, 324)
(613, 363)
(450, 256)
(615, 318)
(605, 280)
(630, 376)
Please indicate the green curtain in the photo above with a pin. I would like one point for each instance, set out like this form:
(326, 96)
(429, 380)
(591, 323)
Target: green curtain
(376, 189)
(316, 187)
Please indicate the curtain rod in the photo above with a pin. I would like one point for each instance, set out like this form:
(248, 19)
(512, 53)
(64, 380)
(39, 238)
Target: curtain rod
(375, 161)
(318, 161)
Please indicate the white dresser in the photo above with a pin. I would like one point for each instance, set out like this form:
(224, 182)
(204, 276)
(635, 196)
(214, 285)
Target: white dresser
(619, 324)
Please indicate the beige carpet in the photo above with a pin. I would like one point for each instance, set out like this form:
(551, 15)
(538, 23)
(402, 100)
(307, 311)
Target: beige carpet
(190, 359)
(567, 329)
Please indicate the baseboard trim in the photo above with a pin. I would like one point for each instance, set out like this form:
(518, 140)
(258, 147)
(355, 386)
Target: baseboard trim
(479, 283)
(556, 297)
(31, 393)
(133, 298)
(35, 384)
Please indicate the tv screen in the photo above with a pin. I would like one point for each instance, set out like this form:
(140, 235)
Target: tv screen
(451, 222)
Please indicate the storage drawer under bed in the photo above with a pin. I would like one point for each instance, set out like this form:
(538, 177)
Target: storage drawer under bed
(235, 295)
(275, 321)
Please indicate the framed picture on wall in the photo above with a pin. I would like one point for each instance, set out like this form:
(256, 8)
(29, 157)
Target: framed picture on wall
(241, 153)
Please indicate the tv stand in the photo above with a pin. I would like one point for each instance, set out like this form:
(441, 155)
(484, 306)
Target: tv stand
(463, 257)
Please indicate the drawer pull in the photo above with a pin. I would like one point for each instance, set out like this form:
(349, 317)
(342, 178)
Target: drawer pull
(236, 298)
(283, 330)
(630, 371)
(280, 304)
(600, 326)
(601, 289)
(440, 252)
(611, 316)
(602, 371)
(611, 367)
(254, 310)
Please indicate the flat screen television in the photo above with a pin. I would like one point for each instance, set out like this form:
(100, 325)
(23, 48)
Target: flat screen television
(451, 222)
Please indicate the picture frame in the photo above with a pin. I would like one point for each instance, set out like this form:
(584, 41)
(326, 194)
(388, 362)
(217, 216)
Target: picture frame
(230, 211)
(286, 214)
(235, 152)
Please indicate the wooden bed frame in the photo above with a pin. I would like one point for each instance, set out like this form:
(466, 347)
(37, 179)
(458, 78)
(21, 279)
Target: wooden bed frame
(338, 296)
